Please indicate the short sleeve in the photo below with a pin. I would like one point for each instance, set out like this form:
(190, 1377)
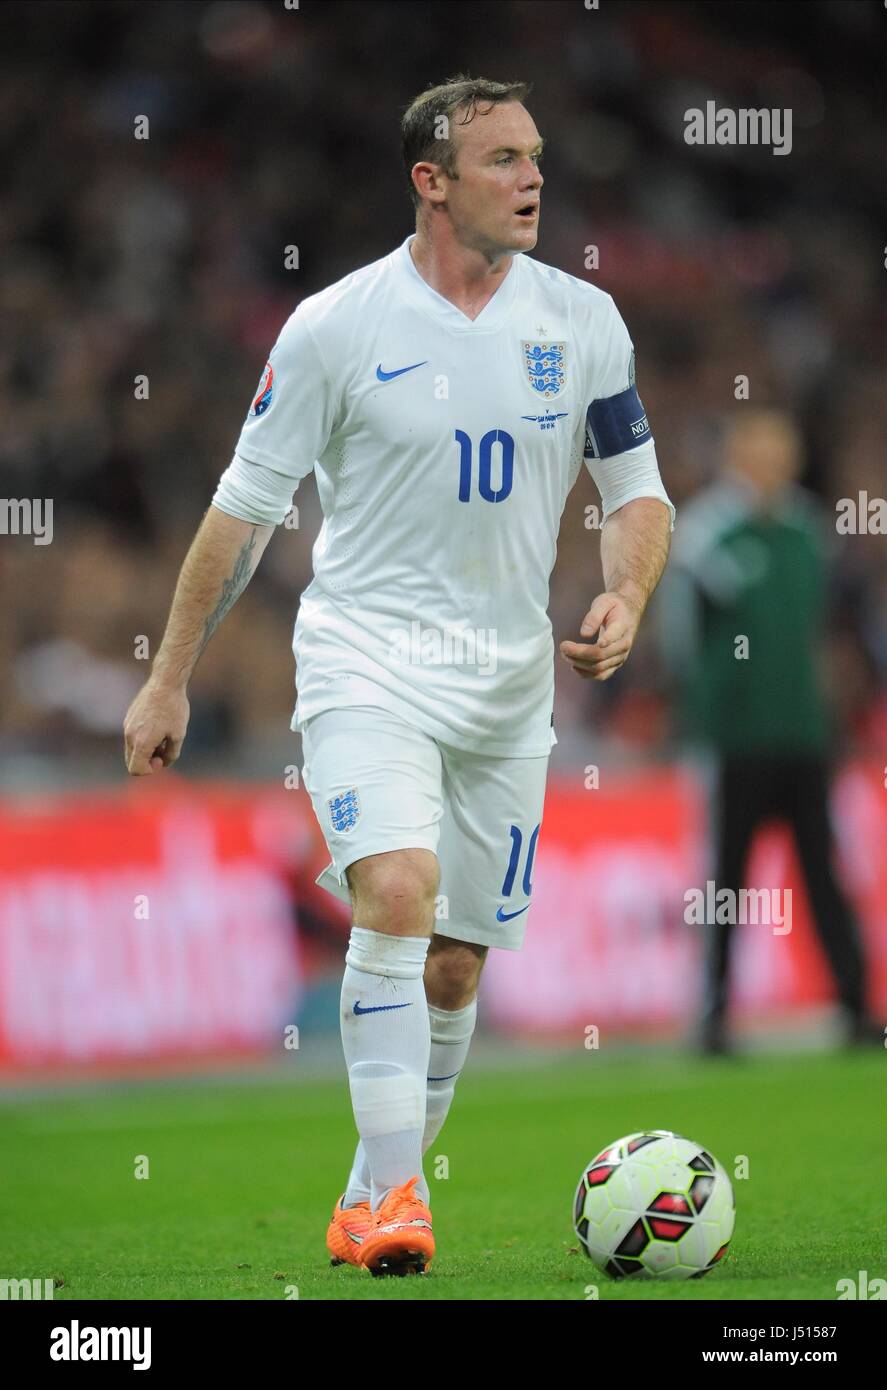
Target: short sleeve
(619, 453)
(292, 413)
(615, 419)
(612, 367)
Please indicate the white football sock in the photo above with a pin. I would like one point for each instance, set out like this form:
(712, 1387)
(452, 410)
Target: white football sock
(451, 1034)
(386, 1041)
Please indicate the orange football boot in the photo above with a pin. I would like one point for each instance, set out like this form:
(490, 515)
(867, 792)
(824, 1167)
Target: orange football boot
(346, 1232)
(399, 1240)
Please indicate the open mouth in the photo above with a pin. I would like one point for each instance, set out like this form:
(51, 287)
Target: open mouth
(528, 212)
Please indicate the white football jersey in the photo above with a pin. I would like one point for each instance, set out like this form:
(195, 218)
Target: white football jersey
(444, 449)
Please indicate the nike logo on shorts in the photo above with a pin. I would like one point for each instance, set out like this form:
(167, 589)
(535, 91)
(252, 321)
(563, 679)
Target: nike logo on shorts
(377, 1008)
(507, 916)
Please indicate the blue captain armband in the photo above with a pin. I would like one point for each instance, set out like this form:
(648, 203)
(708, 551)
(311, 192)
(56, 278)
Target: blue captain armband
(616, 424)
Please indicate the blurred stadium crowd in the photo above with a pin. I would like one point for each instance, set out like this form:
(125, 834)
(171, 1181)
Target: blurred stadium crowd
(272, 127)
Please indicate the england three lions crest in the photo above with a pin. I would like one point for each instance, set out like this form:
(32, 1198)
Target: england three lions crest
(344, 810)
(546, 365)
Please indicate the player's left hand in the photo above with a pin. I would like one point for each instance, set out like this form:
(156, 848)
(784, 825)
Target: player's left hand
(612, 620)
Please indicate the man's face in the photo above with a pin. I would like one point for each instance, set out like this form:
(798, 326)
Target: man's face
(766, 451)
(497, 162)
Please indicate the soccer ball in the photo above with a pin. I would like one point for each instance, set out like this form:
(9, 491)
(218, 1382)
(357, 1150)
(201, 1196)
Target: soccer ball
(654, 1203)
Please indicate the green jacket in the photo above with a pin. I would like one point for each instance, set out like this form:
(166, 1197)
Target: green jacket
(743, 619)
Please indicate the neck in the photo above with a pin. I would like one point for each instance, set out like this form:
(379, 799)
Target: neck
(466, 276)
(759, 498)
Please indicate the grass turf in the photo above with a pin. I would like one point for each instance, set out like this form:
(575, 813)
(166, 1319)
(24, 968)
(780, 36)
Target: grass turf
(243, 1179)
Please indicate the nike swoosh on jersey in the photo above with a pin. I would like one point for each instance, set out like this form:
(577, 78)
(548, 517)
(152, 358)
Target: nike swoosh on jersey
(378, 1008)
(389, 376)
(508, 915)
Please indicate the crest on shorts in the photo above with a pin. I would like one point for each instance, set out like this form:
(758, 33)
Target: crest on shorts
(546, 367)
(344, 810)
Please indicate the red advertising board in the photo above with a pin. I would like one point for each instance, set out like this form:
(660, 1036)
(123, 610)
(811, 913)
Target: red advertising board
(167, 922)
(142, 926)
(608, 945)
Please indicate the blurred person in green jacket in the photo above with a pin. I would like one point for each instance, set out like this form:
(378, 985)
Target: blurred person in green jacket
(744, 619)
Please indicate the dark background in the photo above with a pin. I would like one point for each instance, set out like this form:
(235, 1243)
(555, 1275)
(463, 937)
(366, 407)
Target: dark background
(272, 127)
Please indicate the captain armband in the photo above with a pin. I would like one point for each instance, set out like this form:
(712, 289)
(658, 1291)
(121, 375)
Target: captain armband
(620, 453)
(616, 424)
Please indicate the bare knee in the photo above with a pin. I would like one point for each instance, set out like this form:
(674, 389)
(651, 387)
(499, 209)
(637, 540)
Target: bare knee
(452, 972)
(395, 892)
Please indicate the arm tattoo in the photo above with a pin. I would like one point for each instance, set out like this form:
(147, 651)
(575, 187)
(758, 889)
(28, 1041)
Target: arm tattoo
(231, 589)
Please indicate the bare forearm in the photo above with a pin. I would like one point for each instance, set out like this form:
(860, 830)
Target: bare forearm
(634, 548)
(220, 563)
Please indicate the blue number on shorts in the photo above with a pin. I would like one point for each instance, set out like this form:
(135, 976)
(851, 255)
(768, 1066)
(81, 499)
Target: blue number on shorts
(517, 840)
(485, 465)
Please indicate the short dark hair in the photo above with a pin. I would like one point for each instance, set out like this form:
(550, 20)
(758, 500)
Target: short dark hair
(419, 122)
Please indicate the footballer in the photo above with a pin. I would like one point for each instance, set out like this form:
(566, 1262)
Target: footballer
(446, 397)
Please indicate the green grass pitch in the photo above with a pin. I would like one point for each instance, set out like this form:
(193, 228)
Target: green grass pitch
(243, 1177)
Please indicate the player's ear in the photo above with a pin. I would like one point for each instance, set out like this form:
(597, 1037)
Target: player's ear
(426, 180)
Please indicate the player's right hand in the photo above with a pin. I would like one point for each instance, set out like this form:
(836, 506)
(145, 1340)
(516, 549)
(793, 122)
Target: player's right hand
(154, 728)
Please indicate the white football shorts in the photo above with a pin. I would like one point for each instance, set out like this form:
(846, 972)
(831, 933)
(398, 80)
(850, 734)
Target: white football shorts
(377, 784)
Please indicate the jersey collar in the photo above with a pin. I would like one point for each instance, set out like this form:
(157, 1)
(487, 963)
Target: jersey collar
(436, 306)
